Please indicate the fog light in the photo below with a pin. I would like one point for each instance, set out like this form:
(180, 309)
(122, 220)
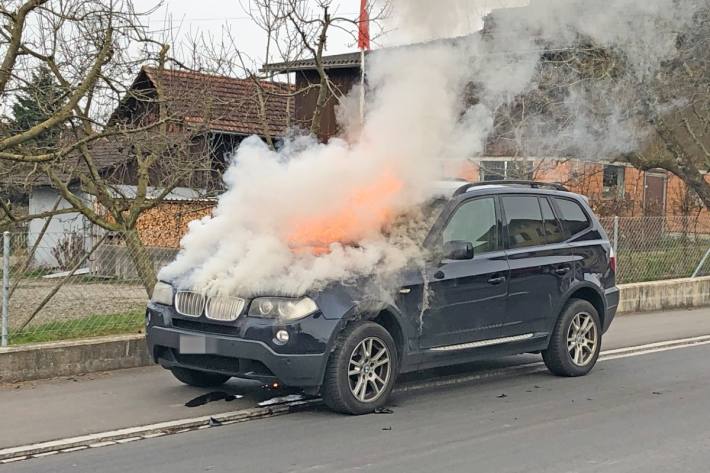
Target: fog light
(282, 337)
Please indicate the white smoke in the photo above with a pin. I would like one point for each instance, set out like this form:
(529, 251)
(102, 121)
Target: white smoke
(416, 118)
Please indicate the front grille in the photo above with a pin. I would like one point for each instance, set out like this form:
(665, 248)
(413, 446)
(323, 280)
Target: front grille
(208, 362)
(189, 303)
(225, 309)
(195, 326)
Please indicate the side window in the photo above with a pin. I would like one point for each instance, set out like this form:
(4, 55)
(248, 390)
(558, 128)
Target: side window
(553, 230)
(572, 215)
(524, 219)
(474, 221)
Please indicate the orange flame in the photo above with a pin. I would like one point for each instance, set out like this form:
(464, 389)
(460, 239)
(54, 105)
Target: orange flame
(366, 210)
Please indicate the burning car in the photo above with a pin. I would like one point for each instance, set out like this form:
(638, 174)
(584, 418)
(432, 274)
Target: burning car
(512, 267)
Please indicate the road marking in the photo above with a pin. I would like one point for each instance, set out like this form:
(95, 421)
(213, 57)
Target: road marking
(114, 437)
(539, 366)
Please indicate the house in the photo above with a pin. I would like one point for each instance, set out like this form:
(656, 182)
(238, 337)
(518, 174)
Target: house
(614, 188)
(218, 112)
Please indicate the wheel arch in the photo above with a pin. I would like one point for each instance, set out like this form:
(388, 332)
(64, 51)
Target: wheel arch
(391, 323)
(589, 293)
(388, 317)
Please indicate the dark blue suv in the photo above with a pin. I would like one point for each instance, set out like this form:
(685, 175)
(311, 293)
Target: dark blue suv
(516, 267)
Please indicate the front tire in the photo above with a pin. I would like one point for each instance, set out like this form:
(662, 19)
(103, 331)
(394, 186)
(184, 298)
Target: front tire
(200, 379)
(576, 340)
(361, 370)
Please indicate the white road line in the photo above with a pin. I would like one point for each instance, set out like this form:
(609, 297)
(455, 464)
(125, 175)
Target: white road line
(114, 437)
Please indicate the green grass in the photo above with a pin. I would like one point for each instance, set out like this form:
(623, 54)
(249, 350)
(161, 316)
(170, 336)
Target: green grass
(90, 326)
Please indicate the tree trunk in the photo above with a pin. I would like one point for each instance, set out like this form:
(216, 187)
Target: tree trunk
(141, 260)
(320, 104)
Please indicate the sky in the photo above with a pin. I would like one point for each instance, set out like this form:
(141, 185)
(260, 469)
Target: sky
(189, 18)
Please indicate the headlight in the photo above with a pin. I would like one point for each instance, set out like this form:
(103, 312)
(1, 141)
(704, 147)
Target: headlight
(283, 308)
(162, 294)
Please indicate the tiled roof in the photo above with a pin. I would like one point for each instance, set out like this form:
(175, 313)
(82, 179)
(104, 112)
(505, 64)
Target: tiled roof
(223, 104)
(336, 61)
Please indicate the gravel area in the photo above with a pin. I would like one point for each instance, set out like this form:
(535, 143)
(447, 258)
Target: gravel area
(74, 300)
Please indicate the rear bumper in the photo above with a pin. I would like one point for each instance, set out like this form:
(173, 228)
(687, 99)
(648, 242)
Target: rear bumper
(611, 297)
(235, 357)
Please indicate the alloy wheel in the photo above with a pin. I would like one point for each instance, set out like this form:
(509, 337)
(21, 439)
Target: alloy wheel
(369, 369)
(582, 339)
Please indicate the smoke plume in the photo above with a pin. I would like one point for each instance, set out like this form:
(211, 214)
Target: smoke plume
(295, 219)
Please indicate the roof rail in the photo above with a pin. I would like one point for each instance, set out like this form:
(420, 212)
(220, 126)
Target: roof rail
(532, 184)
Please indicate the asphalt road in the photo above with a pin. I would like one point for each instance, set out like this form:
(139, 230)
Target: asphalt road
(52, 409)
(645, 413)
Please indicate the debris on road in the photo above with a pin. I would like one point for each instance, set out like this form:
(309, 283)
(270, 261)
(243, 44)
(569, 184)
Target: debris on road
(383, 410)
(211, 397)
(501, 396)
(282, 400)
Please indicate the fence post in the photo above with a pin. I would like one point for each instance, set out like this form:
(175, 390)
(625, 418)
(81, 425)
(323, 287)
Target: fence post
(5, 286)
(616, 234)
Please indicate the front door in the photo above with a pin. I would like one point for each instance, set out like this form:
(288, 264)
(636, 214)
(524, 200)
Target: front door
(466, 298)
(654, 195)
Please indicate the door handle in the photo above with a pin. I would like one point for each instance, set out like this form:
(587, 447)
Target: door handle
(562, 270)
(496, 280)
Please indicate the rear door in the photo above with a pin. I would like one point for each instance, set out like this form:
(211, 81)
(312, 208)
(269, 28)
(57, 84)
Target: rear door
(588, 246)
(540, 263)
(467, 297)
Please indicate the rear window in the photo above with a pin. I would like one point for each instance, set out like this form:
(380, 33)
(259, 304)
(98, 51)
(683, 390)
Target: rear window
(524, 219)
(572, 215)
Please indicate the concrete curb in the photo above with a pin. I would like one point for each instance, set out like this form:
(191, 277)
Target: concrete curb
(129, 434)
(662, 295)
(70, 358)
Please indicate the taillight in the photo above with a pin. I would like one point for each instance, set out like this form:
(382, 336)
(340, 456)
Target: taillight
(612, 261)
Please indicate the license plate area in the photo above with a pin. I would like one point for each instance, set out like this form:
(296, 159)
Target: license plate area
(193, 345)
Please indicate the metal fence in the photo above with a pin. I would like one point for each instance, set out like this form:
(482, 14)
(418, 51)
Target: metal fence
(82, 284)
(657, 248)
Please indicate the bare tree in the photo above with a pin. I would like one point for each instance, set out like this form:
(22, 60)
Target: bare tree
(299, 30)
(590, 88)
(111, 133)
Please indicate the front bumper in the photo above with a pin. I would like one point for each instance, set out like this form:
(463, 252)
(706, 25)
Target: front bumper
(235, 357)
(244, 348)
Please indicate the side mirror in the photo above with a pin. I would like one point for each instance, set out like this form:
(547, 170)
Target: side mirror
(458, 250)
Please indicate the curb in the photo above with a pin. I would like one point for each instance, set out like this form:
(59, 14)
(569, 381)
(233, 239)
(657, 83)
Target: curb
(112, 437)
(72, 357)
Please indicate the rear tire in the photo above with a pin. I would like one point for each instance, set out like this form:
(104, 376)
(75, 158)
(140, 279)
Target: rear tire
(361, 370)
(576, 340)
(200, 379)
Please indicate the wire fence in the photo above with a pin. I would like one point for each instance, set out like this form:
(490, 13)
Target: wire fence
(74, 285)
(658, 248)
(84, 284)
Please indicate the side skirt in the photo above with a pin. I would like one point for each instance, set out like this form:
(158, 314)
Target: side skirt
(489, 349)
(484, 343)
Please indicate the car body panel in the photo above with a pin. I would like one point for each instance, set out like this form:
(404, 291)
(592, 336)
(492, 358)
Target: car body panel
(462, 307)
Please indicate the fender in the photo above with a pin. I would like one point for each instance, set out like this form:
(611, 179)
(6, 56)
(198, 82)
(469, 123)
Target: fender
(567, 295)
(371, 311)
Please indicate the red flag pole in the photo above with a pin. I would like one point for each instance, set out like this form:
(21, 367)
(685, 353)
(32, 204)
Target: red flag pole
(363, 42)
